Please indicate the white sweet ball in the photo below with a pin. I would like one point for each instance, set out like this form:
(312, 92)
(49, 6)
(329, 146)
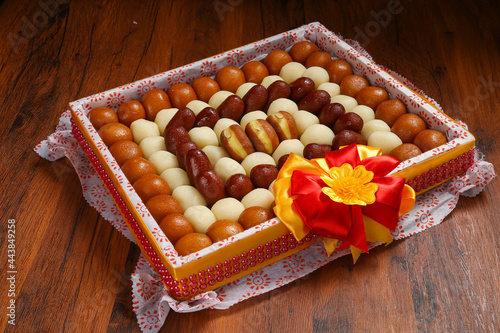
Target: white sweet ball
(216, 100)
(292, 71)
(244, 88)
(196, 106)
(365, 112)
(271, 189)
(228, 208)
(203, 136)
(151, 145)
(255, 159)
(163, 118)
(221, 125)
(385, 140)
(331, 88)
(163, 160)
(201, 218)
(304, 119)
(372, 126)
(270, 79)
(287, 147)
(226, 167)
(142, 128)
(215, 153)
(175, 177)
(347, 102)
(250, 116)
(259, 197)
(282, 104)
(188, 196)
(318, 74)
(317, 133)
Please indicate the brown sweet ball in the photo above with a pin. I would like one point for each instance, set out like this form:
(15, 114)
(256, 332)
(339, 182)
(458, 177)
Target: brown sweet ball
(389, 111)
(113, 132)
(405, 151)
(136, 167)
(102, 116)
(192, 243)
(175, 226)
(275, 60)
(181, 94)
(352, 84)
(338, 70)
(230, 78)
(154, 101)
(318, 58)
(300, 51)
(408, 126)
(372, 96)
(346, 137)
(205, 87)
(239, 185)
(222, 229)
(150, 185)
(255, 71)
(124, 150)
(162, 205)
(253, 216)
(130, 111)
(429, 139)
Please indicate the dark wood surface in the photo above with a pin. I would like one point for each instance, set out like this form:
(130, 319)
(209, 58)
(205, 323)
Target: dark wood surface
(73, 268)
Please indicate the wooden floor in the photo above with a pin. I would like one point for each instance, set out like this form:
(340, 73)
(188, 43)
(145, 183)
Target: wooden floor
(73, 268)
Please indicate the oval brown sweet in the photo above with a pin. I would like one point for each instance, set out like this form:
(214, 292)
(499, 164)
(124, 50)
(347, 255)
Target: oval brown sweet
(263, 175)
(232, 108)
(130, 111)
(405, 151)
(102, 116)
(180, 94)
(255, 99)
(230, 78)
(236, 142)
(239, 185)
(184, 117)
(197, 162)
(136, 167)
(255, 71)
(207, 117)
(275, 60)
(181, 151)
(314, 101)
(253, 216)
(318, 58)
(211, 187)
(113, 132)
(429, 139)
(154, 101)
(192, 243)
(300, 88)
(346, 137)
(277, 89)
(174, 136)
(316, 150)
(124, 150)
(372, 96)
(282, 161)
(352, 84)
(284, 125)
(348, 121)
(162, 205)
(205, 87)
(330, 113)
(390, 110)
(337, 70)
(222, 229)
(175, 226)
(300, 51)
(150, 185)
(262, 135)
(408, 126)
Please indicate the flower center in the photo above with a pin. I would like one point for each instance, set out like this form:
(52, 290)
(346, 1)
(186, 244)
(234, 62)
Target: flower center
(350, 186)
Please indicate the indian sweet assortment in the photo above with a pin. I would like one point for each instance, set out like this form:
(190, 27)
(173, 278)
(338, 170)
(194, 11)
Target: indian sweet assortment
(203, 157)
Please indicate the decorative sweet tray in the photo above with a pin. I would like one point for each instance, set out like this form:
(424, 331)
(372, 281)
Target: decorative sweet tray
(270, 241)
